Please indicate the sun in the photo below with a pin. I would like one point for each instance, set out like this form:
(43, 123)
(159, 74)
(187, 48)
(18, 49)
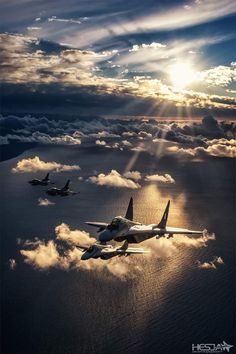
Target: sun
(182, 74)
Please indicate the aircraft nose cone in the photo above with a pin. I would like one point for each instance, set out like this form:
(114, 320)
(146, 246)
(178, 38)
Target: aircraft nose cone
(84, 257)
(105, 236)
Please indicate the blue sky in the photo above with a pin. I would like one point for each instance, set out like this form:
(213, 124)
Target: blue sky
(178, 55)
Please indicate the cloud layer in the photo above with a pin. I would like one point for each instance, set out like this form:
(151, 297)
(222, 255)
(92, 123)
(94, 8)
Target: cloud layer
(199, 139)
(63, 253)
(104, 73)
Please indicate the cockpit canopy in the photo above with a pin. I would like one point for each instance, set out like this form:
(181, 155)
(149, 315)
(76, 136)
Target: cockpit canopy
(117, 223)
(114, 225)
(91, 249)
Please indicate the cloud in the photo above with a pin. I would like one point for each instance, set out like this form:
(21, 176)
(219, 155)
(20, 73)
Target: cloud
(70, 69)
(210, 265)
(152, 136)
(194, 242)
(164, 247)
(164, 19)
(126, 143)
(219, 76)
(63, 254)
(73, 237)
(153, 45)
(166, 178)
(68, 20)
(135, 175)
(100, 142)
(217, 150)
(114, 179)
(44, 202)
(12, 263)
(35, 164)
(104, 134)
(44, 255)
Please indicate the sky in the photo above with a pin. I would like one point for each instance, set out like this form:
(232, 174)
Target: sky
(153, 58)
(124, 99)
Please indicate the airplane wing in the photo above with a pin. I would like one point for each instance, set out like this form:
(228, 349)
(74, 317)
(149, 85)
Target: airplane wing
(84, 248)
(132, 251)
(97, 224)
(124, 249)
(176, 231)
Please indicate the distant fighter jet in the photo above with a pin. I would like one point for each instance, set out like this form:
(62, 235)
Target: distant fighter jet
(41, 182)
(108, 251)
(63, 192)
(124, 228)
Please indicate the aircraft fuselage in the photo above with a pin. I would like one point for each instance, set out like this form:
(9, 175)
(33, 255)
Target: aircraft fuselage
(122, 229)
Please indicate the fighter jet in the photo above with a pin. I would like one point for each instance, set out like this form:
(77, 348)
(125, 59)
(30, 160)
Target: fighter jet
(41, 182)
(65, 191)
(124, 228)
(108, 251)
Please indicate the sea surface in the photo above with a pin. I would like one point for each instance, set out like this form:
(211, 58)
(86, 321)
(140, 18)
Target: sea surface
(164, 308)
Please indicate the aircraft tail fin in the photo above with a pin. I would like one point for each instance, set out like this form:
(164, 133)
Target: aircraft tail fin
(66, 185)
(124, 246)
(129, 213)
(163, 222)
(46, 178)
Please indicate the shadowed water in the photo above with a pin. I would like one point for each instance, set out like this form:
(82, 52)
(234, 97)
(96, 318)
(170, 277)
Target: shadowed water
(165, 307)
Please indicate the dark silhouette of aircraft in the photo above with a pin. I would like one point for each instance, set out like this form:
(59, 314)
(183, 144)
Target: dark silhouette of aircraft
(41, 182)
(63, 192)
(108, 251)
(124, 228)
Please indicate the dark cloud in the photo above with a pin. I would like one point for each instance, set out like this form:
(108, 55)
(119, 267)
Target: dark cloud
(190, 139)
(41, 76)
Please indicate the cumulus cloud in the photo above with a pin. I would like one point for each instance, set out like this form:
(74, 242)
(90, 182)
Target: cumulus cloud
(44, 202)
(12, 263)
(135, 175)
(35, 164)
(211, 264)
(166, 178)
(166, 247)
(153, 45)
(73, 237)
(63, 252)
(114, 179)
(194, 242)
(100, 142)
(216, 149)
(219, 76)
(44, 255)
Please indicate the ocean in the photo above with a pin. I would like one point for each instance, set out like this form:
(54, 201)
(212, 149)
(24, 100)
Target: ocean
(165, 306)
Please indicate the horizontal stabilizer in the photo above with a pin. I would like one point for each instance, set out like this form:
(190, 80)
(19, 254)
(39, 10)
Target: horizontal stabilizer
(97, 224)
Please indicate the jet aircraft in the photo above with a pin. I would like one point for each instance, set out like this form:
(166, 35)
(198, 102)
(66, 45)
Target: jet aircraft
(65, 191)
(41, 182)
(124, 228)
(108, 251)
